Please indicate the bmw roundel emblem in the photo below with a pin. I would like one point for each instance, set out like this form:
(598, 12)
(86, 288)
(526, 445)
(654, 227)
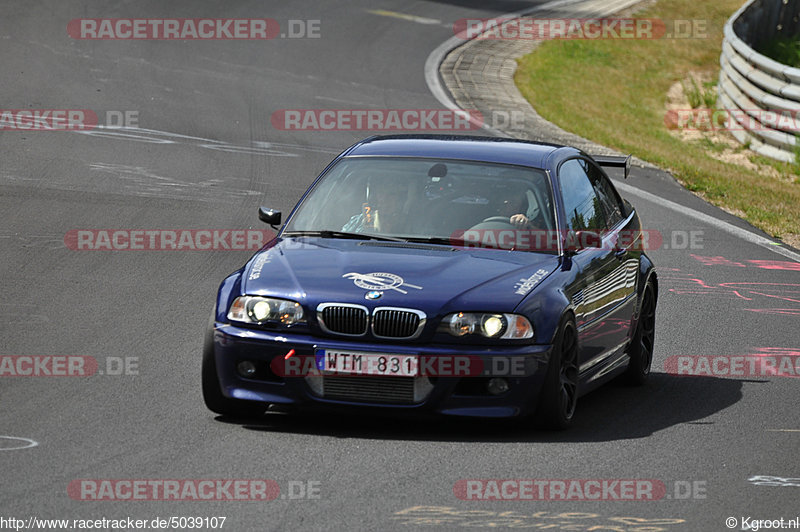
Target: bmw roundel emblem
(373, 294)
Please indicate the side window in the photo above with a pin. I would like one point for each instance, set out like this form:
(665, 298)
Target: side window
(581, 204)
(609, 199)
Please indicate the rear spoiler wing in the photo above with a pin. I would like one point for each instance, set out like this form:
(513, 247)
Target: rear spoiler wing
(615, 161)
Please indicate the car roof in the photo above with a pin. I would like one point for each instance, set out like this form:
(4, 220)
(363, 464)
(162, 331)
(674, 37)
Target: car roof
(486, 149)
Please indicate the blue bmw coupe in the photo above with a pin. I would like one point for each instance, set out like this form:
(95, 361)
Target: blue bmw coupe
(439, 275)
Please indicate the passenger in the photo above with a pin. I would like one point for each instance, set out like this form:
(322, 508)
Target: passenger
(382, 213)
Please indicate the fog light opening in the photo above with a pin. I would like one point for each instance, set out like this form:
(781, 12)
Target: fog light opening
(497, 386)
(246, 368)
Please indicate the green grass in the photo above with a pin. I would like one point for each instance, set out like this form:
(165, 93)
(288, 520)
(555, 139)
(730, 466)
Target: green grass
(700, 95)
(784, 50)
(710, 145)
(614, 93)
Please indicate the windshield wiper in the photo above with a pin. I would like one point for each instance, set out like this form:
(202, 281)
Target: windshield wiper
(441, 240)
(325, 233)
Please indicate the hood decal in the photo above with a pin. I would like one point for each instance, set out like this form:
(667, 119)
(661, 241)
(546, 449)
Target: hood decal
(258, 265)
(523, 286)
(379, 281)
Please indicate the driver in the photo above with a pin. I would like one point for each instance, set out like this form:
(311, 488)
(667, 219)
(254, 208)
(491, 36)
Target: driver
(513, 208)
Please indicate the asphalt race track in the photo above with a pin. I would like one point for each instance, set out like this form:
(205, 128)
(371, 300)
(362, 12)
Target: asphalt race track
(200, 152)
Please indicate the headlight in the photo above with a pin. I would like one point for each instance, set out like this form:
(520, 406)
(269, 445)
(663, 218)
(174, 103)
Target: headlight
(503, 326)
(266, 310)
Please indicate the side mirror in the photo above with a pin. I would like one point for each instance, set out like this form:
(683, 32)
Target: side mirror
(578, 240)
(269, 216)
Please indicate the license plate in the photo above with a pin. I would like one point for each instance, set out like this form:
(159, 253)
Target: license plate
(361, 363)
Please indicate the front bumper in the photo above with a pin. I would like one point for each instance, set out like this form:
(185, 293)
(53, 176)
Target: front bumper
(523, 367)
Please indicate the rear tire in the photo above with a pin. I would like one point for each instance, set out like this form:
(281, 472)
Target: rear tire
(641, 348)
(212, 392)
(559, 395)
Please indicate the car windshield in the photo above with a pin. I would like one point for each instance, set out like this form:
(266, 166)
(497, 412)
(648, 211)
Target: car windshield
(426, 200)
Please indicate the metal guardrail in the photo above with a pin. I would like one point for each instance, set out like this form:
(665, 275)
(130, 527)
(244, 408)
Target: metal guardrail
(760, 94)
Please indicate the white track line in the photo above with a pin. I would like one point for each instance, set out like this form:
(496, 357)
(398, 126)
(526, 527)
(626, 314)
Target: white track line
(744, 234)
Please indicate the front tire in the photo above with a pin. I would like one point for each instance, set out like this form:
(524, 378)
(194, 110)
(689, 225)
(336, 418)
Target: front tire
(560, 393)
(641, 347)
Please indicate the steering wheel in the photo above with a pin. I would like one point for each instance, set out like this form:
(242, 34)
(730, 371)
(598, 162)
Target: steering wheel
(536, 221)
(506, 219)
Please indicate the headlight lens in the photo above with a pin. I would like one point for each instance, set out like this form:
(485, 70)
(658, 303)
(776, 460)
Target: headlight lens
(502, 326)
(493, 326)
(266, 310)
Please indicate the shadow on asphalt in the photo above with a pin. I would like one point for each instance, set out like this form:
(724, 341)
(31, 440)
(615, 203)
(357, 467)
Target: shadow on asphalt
(614, 412)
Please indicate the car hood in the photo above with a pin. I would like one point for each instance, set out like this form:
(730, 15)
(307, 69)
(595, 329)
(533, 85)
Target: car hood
(434, 279)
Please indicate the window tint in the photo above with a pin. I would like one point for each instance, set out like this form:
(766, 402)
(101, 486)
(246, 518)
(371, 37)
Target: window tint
(581, 204)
